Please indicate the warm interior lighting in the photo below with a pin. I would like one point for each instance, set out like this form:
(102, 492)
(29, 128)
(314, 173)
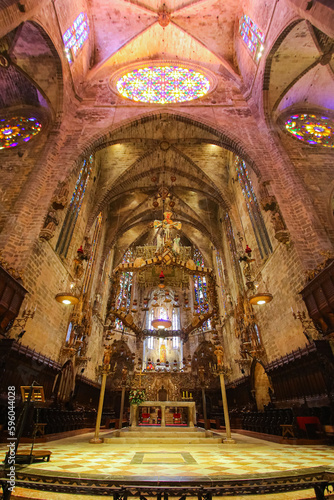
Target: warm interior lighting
(67, 298)
(260, 298)
(161, 323)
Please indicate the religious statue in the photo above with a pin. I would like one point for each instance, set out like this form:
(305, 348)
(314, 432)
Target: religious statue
(60, 196)
(50, 223)
(159, 241)
(176, 244)
(163, 353)
(219, 352)
(124, 374)
(269, 203)
(107, 355)
(167, 224)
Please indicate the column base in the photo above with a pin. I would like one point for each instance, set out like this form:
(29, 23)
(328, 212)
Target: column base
(96, 440)
(229, 441)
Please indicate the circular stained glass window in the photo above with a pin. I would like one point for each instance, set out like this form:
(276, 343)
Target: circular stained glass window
(312, 129)
(163, 84)
(17, 130)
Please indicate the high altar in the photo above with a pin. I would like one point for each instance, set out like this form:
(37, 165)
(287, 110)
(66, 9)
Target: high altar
(162, 405)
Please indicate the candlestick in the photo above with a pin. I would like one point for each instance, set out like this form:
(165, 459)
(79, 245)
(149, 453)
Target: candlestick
(190, 396)
(186, 394)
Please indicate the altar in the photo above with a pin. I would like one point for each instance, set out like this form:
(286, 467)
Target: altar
(162, 406)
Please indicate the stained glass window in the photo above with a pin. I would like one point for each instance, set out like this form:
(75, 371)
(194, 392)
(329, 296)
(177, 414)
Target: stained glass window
(150, 342)
(128, 256)
(200, 287)
(74, 207)
(233, 250)
(198, 258)
(220, 278)
(125, 287)
(312, 129)
(176, 319)
(92, 258)
(75, 37)
(259, 228)
(163, 84)
(252, 36)
(16, 131)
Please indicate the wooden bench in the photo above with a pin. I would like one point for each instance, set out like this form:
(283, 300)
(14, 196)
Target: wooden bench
(287, 429)
(27, 457)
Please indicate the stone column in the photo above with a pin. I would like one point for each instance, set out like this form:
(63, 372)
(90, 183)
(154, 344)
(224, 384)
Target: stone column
(191, 416)
(133, 416)
(163, 420)
(122, 408)
(206, 426)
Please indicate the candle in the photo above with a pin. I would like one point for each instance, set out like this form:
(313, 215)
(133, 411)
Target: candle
(182, 394)
(190, 396)
(186, 394)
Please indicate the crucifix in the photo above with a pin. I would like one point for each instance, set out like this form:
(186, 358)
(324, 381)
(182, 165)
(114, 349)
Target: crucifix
(140, 373)
(167, 224)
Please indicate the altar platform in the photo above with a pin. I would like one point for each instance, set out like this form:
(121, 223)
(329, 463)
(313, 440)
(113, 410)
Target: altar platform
(163, 435)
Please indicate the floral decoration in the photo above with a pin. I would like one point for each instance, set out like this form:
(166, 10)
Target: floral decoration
(137, 396)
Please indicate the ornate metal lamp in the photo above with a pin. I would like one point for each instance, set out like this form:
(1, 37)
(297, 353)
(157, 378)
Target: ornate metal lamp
(260, 298)
(161, 323)
(67, 298)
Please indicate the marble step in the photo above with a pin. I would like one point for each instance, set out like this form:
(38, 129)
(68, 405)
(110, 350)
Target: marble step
(164, 429)
(154, 434)
(162, 440)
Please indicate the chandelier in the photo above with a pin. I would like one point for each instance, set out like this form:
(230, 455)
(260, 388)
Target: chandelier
(161, 324)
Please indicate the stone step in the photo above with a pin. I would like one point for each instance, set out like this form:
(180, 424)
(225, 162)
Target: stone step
(160, 434)
(164, 429)
(161, 440)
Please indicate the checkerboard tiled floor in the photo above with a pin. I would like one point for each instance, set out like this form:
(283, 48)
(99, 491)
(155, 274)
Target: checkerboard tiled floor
(249, 455)
(77, 456)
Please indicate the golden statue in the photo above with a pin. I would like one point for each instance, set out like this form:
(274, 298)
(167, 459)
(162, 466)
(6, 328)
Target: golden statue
(219, 352)
(163, 353)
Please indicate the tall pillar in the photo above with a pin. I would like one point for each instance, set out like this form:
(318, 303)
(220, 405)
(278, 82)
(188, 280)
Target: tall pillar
(191, 416)
(163, 420)
(122, 408)
(206, 426)
(133, 416)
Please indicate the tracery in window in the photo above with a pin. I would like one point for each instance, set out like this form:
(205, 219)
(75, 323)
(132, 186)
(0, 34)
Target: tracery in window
(312, 129)
(92, 258)
(17, 130)
(125, 287)
(200, 288)
(75, 37)
(198, 257)
(254, 212)
(74, 208)
(220, 279)
(252, 36)
(150, 342)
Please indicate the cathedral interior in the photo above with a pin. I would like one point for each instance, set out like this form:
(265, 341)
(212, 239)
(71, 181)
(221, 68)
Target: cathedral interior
(166, 248)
